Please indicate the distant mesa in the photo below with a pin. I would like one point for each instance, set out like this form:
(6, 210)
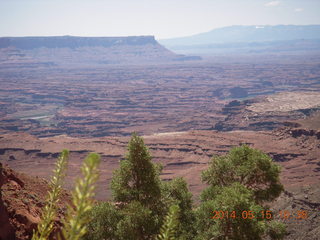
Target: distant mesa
(28, 43)
(68, 50)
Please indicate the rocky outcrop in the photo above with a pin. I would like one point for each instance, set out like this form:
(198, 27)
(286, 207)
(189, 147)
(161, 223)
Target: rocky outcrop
(269, 113)
(304, 132)
(303, 200)
(21, 204)
(6, 229)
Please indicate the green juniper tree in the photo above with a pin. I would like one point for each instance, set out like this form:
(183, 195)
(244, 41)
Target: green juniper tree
(238, 183)
(141, 201)
(223, 218)
(138, 178)
(248, 166)
(136, 188)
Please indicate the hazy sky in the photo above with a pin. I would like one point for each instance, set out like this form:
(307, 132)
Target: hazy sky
(161, 18)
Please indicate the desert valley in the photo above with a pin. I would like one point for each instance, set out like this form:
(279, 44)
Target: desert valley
(90, 94)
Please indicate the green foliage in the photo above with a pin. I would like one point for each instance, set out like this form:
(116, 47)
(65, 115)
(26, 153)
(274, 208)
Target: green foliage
(49, 212)
(238, 182)
(141, 200)
(134, 221)
(77, 217)
(136, 187)
(168, 229)
(248, 166)
(175, 192)
(277, 230)
(74, 224)
(104, 220)
(138, 178)
(138, 222)
(235, 198)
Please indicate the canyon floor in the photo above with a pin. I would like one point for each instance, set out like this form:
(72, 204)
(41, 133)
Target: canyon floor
(186, 112)
(115, 100)
(183, 154)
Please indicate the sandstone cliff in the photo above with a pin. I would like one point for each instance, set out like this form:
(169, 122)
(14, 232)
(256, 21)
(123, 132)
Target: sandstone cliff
(68, 50)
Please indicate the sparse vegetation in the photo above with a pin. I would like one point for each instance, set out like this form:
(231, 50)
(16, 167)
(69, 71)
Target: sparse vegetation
(142, 201)
(136, 188)
(175, 192)
(276, 230)
(144, 207)
(247, 166)
(74, 224)
(49, 212)
(239, 183)
(77, 217)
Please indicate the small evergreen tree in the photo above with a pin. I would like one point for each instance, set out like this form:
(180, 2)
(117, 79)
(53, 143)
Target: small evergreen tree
(136, 188)
(238, 215)
(248, 166)
(238, 183)
(141, 200)
(138, 178)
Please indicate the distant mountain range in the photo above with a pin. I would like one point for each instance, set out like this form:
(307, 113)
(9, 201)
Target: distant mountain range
(249, 39)
(246, 34)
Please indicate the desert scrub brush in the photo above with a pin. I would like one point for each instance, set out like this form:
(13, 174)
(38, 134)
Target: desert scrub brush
(170, 224)
(49, 212)
(77, 216)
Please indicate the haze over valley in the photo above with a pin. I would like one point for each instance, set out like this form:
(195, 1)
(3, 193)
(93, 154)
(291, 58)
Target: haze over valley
(191, 98)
